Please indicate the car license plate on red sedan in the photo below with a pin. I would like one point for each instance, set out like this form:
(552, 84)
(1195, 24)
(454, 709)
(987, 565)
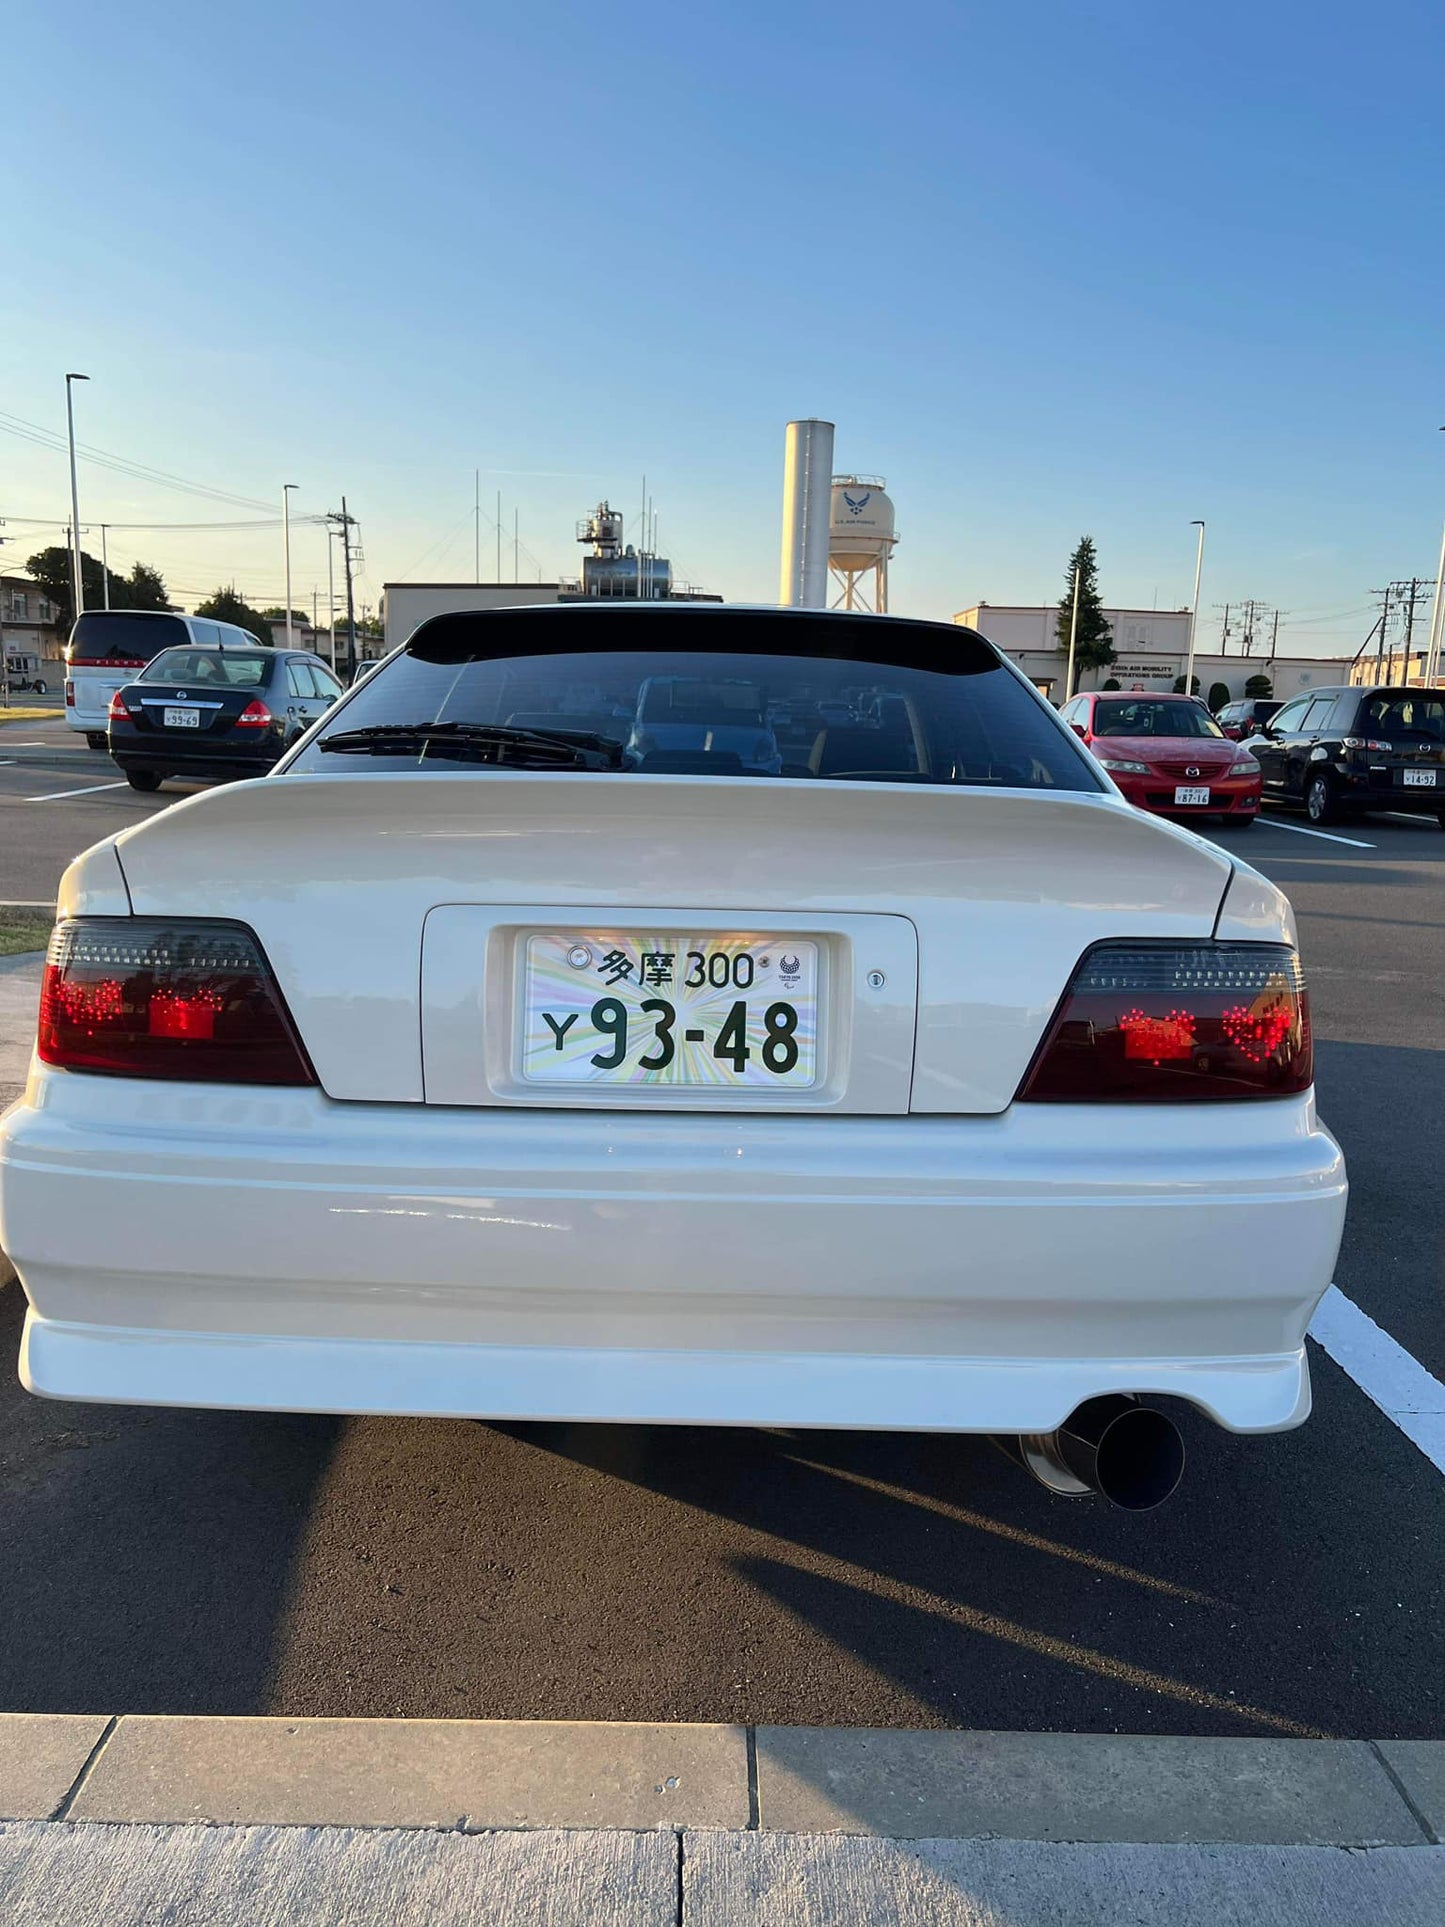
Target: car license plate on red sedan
(181, 718)
(662, 1008)
(1186, 793)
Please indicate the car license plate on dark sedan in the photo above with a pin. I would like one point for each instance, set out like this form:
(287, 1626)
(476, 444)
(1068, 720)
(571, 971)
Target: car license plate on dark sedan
(650, 1008)
(181, 718)
(1421, 779)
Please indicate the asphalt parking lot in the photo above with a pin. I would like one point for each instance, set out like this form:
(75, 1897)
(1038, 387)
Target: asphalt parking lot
(220, 1563)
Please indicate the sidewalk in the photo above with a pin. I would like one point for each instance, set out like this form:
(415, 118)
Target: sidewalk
(129, 1820)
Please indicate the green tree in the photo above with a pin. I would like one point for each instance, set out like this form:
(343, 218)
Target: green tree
(145, 588)
(226, 606)
(1112, 683)
(51, 569)
(1259, 685)
(1218, 695)
(299, 617)
(1193, 685)
(1094, 646)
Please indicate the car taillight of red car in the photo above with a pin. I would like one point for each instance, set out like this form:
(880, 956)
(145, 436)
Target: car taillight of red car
(144, 997)
(1176, 1022)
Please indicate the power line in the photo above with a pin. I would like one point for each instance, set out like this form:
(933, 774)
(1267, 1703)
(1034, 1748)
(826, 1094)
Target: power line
(42, 437)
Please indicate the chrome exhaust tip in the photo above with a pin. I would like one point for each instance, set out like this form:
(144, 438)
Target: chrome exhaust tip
(1128, 1453)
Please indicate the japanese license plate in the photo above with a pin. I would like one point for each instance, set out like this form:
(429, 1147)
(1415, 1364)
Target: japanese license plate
(1419, 779)
(1186, 794)
(181, 718)
(653, 1008)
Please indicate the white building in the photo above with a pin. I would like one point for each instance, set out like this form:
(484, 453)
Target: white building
(1151, 648)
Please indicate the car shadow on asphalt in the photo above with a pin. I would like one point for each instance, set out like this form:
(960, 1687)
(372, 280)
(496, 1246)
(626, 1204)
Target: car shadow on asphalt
(1273, 1595)
(172, 1600)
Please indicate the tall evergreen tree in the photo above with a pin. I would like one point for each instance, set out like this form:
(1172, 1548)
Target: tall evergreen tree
(1094, 645)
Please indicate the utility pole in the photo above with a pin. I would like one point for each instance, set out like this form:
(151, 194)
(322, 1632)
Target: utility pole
(476, 525)
(1194, 611)
(286, 538)
(1380, 675)
(1414, 591)
(346, 521)
(331, 589)
(1274, 639)
(499, 535)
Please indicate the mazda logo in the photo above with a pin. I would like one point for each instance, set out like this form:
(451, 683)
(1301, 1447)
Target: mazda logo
(1191, 770)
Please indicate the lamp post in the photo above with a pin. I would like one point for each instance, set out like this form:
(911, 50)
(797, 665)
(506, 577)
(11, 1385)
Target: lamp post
(286, 539)
(77, 587)
(1437, 619)
(1073, 636)
(1194, 612)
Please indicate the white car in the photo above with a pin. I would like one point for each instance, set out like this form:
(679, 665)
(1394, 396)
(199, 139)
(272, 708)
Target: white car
(469, 1065)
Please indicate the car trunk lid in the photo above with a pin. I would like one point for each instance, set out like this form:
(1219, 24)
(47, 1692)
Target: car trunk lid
(379, 900)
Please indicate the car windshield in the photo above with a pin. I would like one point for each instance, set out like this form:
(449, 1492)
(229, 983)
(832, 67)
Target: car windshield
(231, 670)
(671, 711)
(1153, 718)
(1407, 715)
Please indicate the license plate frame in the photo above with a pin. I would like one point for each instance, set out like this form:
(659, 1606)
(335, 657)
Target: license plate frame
(1191, 795)
(1419, 779)
(178, 717)
(692, 1012)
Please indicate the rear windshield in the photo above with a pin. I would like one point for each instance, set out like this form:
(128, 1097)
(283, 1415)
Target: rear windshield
(1146, 718)
(1418, 716)
(209, 665)
(115, 635)
(670, 711)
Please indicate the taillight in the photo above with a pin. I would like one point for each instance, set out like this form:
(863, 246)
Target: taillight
(69, 692)
(145, 997)
(1173, 1022)
(1365, 742)
(255, 716)
(118, 711)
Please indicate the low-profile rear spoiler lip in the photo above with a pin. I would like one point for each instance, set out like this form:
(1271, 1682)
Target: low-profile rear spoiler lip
(725, 629)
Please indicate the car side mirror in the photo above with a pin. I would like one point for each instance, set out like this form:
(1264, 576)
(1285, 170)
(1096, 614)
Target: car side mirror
(1078, 729)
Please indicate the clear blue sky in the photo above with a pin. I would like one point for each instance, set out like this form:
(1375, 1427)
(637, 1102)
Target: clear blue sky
(1050, 268)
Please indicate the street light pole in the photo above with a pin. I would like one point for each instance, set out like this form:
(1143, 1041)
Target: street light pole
(286, 539)
(1073, 636)
(1437, 617)
(331, 590)
(104, 569)
(1194, 614)
(77, 586)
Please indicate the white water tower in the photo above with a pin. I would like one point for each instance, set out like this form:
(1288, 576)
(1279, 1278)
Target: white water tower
(861, 536)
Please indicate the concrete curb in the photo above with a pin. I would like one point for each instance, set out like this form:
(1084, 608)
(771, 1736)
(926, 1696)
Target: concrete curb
(517, 1775)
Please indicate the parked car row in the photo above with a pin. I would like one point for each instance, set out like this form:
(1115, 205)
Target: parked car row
(1332, 752)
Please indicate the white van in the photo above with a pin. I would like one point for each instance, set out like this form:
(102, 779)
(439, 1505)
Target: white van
(107, 648)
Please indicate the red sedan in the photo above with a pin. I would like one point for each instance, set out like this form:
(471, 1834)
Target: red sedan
(1168, 755)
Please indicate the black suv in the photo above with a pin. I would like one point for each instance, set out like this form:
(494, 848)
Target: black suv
(1342, 750)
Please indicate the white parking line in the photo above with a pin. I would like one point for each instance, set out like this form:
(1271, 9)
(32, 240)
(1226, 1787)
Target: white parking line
(1328, 835)
(1405, 1392)
(54, 796)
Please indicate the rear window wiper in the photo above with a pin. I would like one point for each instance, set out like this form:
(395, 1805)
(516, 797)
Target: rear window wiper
(481, 743)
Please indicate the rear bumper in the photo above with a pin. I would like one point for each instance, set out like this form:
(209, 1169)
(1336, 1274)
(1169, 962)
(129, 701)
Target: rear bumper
(1239, 797)
(276, 1250)
(162, 753)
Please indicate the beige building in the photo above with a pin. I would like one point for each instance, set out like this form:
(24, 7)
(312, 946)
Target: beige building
(27, 623)
(1151, 648)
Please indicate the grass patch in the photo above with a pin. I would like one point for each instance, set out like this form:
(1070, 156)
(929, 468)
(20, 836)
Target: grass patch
(23, 930)
(16, 715)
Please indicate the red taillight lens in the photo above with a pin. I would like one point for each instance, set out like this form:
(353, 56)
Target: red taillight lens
(118, 711)
(69, 693)
(1170, 1023)
(255, 716)
(138, 997)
